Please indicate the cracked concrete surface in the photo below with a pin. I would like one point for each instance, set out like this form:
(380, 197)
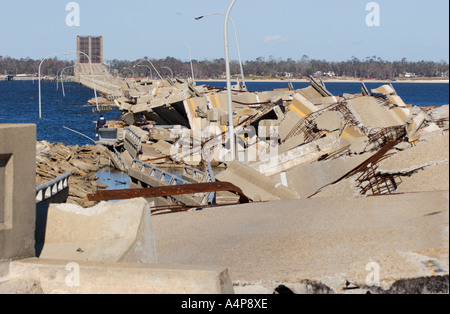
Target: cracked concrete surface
(327, 241)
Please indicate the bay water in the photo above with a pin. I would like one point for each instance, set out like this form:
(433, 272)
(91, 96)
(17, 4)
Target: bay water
(19, 103)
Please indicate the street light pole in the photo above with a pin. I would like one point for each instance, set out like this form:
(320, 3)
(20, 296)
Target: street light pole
(40, 65)
(152, 67)
(244, 85)
(107, 70)
(146, 66)
(65, 54)
(132, 71)
(171, 72)
(92, 75)
(230, 101)
(190, 58)
(62, 82)
(57, 82)
(59, 75)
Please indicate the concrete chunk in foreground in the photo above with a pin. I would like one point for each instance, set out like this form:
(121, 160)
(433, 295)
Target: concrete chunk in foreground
(66, 277)
(110, 232)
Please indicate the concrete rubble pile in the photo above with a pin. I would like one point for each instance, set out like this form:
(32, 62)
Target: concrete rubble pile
(291, 144)
(54, 160)
(305, 162)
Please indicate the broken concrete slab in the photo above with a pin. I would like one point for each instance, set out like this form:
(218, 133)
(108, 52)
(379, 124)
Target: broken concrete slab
(163, 147)
(129, 118)
(178, 96)
(160, 133)
(303, 154)
(307, 178)
(107, 232)
(127, 158)
(149, 153)
(371, 114)
(256, 186)
(329, 121)
(132, 143)
(143, 135)
(292, 142)
(428, 179)
(309, 93)
(344, 188)
(324, 102)
(288, 124)
(384, 90)
(438, 113)
(302, 106)
(285, 95)
(415, 122)
(139, 108)
(192, 107)
(402, 113)
(423, 154)
(397, 101)
(268, 129)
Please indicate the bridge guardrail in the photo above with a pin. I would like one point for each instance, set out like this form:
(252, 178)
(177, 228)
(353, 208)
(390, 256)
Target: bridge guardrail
(50, 189)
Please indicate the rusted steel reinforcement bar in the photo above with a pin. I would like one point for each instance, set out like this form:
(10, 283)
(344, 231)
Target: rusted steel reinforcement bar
(165, 209)
(375, 158)
(153, 192)
(371, 161)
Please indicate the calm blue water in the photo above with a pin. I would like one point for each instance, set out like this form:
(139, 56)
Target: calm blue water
(417, 94)
(19, 103)
(114, 179)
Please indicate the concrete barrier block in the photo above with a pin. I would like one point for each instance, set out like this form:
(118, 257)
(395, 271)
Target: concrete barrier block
(17, 190)
(114, 232)
(67, 277)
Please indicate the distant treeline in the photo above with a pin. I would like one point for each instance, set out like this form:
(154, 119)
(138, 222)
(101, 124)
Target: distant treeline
(11, 66)
(371, 67)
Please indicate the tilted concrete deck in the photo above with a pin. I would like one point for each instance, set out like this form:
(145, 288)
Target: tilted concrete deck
(328, 240)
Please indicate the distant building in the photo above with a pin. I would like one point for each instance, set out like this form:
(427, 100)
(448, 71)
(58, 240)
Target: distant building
(318, 74)
(441, 74)
(324, 74)
(91, 46)
(409, 75)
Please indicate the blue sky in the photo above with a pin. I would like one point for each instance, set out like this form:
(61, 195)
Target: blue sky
(327, 29)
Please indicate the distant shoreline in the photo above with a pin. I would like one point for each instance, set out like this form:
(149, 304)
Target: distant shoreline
(429, 81)
(326, 80)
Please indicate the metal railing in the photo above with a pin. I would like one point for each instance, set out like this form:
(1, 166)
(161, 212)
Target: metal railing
(50, 189)
(202, 177)
(133, 143)
(173, 179)
(121, 164)
(153, 171)
(158, 174)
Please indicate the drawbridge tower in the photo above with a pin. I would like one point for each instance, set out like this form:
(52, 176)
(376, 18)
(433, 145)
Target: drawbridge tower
(92, 46)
